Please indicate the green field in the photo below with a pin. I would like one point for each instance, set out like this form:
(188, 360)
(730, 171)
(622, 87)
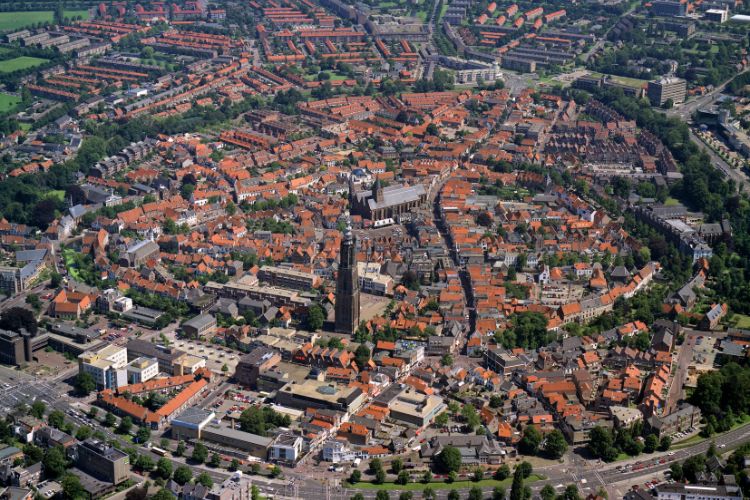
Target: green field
(485, 483)
(23, 62)
(630, 82)
(8, 102)
(11, 21)
(741, 321)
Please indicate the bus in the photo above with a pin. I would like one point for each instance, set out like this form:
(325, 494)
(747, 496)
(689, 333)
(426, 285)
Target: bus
(159, 451)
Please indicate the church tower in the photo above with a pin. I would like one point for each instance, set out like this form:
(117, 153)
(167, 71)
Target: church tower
(347, 285)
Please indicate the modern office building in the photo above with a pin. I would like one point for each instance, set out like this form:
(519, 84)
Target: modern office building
(103, 461)
(106, 365)
(660, 91)
(142, 369)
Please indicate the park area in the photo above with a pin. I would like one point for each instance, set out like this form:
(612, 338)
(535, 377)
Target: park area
(8, 102)
(11, 21)
(20, 63)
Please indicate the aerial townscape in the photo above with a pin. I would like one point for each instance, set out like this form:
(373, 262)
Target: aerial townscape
(374, 249)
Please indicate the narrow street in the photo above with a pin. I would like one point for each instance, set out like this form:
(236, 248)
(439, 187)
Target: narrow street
(463, 274)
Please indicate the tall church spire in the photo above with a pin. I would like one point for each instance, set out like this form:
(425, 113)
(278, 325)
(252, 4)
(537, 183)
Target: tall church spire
(347, 284)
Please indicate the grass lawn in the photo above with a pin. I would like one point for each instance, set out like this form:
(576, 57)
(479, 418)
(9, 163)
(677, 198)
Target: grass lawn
(422, 15)
(8, 102)
(84, 13)
(738, 320)
(441, 485)
(697, 438)
(622, 456)
(387, 5)
(23, 62)
(5, 50)
(11, 21)
(671, 202)
(443, 10)
(624, 80)
(57, 194)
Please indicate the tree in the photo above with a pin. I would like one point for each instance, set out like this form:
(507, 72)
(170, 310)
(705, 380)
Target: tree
(528, 330)
(442, 419)
(454, 495)
(84, 383)
(427, 477)
(396, 465)
(452, 477)
(72, 487)
(254, 493)
(56, 419)
(433, 129)
(477, 475)
(428, 493)
(555, 445)
(532, 438)
(403, 477)
(315, 318)
(601, 444)
(357, 496)
(693, 466)
(234, 465)
(54, 462)
(164, 468)
(33, 300)
(180, 450)
(375, 465)
(143, 434)
(664, 443)
(126, 423)
(204, 479)
(448, 460)
(165, 494)
(37, 409)
(83, 433)
(525, 468)
(498, 493)
(676, 471)
(362, 356)
(571, 493)
(182, 475)
(200, 453)
(145, 463)
(496, 401)
(55, 280)
(215, 460)
(651, 443)
(109, 420)
(548, 492)
(382, 495)
(17, 318)
(470, 416)
(379, 476)
(355, 476)
(502, 473)
(446, 360)
(516, 489)
(475, 493)
(93, 412)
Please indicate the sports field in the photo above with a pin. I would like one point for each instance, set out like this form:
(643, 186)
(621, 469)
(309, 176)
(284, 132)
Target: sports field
(11, 21)
(23, 62)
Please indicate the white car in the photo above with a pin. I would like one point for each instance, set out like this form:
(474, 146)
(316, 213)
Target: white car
(671, 453)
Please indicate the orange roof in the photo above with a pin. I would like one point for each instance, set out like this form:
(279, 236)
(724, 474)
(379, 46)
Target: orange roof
(183, 397)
